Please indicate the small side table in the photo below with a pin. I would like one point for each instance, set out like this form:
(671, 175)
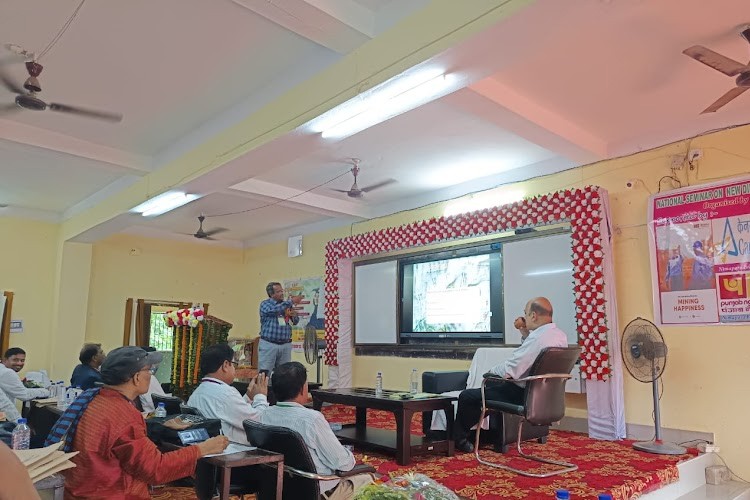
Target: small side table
(242, 459)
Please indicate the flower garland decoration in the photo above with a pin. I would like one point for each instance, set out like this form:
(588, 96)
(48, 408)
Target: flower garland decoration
(582, 208)
(184, 317)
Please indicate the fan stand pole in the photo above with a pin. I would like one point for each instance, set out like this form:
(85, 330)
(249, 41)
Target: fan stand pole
(318, 367)
(657, 445)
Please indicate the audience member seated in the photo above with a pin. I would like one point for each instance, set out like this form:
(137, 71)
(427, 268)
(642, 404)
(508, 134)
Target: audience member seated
(289, 383)
(116, 459)
(86, 375)
(14, 478)
(537, 331)
(216, 398)
(11, 384)
(154, 386)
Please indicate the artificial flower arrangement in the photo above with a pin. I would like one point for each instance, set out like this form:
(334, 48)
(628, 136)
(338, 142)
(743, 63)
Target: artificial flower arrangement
(185, 317)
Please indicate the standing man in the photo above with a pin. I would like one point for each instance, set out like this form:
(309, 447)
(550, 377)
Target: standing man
(276, 319)
(538, 332)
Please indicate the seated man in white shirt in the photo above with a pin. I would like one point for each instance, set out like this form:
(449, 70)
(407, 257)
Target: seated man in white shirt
(154, 387)
(537, 331)
(216, 398)
(289, 383)
(11, 384)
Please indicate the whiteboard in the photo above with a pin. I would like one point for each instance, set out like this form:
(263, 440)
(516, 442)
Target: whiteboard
(375, 299)
(536, 267)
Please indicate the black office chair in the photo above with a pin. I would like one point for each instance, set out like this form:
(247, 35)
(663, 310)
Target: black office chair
(301, 482)
(190, 410)
(171, 403)
(543, 403)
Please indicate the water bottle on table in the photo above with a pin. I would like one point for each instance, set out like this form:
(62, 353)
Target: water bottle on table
(379, 384)
(562, 495)
(160, 411)
(414, 387)
(20, 436)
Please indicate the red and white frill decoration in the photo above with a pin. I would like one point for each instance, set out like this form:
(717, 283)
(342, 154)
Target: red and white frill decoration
(581, 207)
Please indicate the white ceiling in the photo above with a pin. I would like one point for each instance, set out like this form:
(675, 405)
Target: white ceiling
(556, 85)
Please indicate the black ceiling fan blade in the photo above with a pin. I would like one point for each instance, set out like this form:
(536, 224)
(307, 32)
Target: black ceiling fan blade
(9, 84)
(725, 99)
(7, 109)
(90, 113)
(728, 66)
(216, 230)
(340, 190)
(380, 184)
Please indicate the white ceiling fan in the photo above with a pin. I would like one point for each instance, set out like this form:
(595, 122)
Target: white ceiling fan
(355, 191)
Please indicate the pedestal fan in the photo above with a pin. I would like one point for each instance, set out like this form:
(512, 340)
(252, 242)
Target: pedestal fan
(313, 347)
(645, 356)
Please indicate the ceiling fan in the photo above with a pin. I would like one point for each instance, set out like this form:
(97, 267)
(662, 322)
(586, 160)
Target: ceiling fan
(728, 66)
(27, 99)
(206, 235)
(355, 191)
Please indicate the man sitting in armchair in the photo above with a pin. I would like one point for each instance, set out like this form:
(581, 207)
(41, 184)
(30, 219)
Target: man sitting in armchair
(537, 332)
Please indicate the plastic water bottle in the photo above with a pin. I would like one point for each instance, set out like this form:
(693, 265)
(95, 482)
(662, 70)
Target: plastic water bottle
(414, 388)
(160, 411)
(379, 384)
(21, 436)
(60, 394)
(562, 495)
(605, 496)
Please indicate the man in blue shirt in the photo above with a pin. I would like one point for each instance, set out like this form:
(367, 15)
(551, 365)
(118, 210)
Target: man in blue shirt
(86, 375)
(276, 319)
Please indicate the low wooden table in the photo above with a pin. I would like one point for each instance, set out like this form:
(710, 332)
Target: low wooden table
(255, 457)
(402, 442)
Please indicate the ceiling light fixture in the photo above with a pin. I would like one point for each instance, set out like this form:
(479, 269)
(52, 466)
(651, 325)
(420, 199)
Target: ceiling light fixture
(481, 201)
(164, 203)
(392, 98)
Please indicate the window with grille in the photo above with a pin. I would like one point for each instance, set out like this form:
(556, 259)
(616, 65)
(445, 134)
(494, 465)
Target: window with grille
(160, 333)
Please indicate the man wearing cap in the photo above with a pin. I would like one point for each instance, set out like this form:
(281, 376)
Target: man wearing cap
(703, 269)
(276, 319)
(154, 387)
(116, 459)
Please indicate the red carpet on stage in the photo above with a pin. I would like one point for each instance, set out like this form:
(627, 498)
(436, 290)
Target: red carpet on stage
(603, 466)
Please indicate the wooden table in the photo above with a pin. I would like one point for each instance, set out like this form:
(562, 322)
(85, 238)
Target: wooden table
(255, 457)
(402, 442)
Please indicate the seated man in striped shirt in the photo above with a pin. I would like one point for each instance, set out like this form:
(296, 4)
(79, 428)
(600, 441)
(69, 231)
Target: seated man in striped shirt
(289, 383)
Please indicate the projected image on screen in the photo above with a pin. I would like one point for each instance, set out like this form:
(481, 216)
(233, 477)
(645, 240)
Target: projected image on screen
(452, 295)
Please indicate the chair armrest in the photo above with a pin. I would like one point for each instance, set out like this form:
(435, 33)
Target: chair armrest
(444, 381)
(358, 469)
(309, 475)
(498, 378)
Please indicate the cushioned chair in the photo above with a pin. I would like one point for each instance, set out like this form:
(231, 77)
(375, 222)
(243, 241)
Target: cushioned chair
(543, 402)
(301, 482)
(171, 403)
(189, 410)
(503, 428)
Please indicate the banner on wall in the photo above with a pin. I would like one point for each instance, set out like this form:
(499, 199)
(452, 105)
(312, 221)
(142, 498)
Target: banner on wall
(699, 240)
(311, 310)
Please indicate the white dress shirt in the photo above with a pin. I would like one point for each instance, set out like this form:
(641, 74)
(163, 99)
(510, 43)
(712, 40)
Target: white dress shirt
(327, 453)
(154, 387)
(8, 407)
(11, 385)
(519, 364)
(215, 399)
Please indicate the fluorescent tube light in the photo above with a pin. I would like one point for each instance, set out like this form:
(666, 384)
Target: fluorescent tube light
(544, 272)
(164, 203)
(484, 200)
(378, 106)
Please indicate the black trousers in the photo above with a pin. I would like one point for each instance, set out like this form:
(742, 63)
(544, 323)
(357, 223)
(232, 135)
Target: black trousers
(470, 405)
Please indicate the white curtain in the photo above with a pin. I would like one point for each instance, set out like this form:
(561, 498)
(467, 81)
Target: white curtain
(606, 398)
(341, 376)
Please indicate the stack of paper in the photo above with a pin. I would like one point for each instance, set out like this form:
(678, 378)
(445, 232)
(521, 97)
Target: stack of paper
(45, 401)
(43, 462)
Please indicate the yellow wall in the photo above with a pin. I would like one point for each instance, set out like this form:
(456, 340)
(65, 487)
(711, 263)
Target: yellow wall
(28, 259)
(702, 391)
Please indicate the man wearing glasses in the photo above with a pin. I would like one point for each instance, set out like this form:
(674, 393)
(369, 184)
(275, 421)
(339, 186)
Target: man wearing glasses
(538, 332)
(216, 398)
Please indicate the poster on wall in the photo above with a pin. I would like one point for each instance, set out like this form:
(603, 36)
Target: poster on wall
(699, 240)
(311, 310)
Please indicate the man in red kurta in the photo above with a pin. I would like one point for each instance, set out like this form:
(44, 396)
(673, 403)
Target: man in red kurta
(116, 460)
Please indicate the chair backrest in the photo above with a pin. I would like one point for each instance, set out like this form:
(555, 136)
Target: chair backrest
(189, 410)
(171, 403)
(289, 443)
(545, 399)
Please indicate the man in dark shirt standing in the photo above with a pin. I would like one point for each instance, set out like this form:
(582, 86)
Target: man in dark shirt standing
(87, 373)
(276, 319)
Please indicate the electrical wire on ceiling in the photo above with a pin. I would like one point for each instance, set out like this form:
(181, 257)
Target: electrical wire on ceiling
(207, 216)
(61, 32)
